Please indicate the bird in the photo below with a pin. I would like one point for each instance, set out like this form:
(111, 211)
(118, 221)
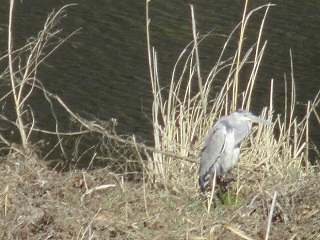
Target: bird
(221, 147)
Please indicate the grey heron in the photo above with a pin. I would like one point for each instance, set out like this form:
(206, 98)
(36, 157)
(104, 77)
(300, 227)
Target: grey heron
(221, 147)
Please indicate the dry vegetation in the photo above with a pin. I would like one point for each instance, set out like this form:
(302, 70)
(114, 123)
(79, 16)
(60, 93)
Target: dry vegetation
(276, 195)
(44, 204)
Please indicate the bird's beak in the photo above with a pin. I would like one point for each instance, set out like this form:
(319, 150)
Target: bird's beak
(256, 119)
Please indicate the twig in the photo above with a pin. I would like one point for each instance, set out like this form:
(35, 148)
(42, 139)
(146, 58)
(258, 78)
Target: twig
(195, 40)
(20, 123)
(237, 231)
(270, 215)
(93, 127)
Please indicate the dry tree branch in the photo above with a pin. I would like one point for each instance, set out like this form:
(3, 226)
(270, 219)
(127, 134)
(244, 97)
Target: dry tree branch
(22, 88)
(19, 111)
(94, 127)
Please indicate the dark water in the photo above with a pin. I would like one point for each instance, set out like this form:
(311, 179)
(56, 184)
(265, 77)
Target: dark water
(102, 71)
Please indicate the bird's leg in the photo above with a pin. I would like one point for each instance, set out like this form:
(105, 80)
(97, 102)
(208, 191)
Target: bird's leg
(213, 193)
(221, 190)
(215, 187)
(212, 199)
(229, 180)
(223, 193)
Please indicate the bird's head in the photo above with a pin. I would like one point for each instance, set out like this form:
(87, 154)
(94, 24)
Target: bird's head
(246, 115)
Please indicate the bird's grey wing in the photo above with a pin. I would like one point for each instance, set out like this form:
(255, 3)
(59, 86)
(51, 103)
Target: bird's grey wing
(212, 150)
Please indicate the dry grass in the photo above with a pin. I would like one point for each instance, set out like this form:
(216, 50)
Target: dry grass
(291, 206)
(276, 195)
(184, 112)
(44, 204)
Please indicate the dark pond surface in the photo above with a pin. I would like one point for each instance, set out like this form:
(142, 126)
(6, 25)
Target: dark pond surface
(102, 71)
